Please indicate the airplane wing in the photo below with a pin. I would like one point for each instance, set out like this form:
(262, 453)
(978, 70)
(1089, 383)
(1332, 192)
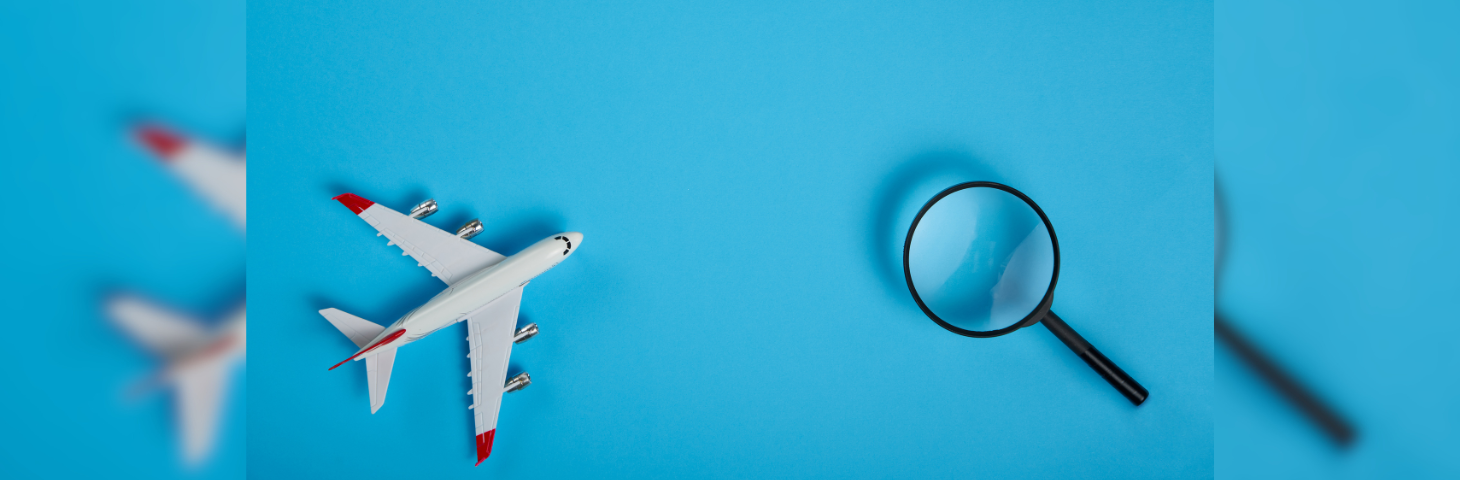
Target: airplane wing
(200, 390)
(159, 329)
(490, 332)
(447, 256)
(220, 177)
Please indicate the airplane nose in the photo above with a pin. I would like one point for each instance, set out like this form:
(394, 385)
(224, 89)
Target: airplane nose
(576, 238)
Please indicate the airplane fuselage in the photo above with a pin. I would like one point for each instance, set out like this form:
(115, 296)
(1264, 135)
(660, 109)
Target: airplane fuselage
(470, 294)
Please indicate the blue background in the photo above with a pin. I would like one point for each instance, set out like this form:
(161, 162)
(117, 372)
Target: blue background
(1336, 155)
(92, 214)
(743, 175)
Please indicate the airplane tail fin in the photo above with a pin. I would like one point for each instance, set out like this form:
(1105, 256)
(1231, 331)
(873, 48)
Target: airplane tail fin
(377, 367)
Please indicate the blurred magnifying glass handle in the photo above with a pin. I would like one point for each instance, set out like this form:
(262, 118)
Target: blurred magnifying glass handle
(1107, 369)
(1337, 429)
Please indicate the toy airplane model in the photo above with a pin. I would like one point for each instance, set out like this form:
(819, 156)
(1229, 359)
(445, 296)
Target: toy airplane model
(483, 288)
(197, 362)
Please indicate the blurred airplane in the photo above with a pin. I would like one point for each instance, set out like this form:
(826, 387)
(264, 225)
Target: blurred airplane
(197, 362)
(483, 289)
(220, 177)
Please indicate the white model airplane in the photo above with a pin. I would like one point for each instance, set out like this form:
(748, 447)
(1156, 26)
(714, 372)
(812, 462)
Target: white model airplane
(483, 288)
(197, 362)
(220, 177)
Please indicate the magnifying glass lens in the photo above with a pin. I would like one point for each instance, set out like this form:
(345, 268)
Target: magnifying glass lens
(981, 259)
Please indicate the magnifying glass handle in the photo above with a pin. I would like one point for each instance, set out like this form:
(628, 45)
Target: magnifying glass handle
(1335, 426)
(1133, 391)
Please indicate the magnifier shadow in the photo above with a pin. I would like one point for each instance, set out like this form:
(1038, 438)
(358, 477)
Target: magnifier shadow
(902, 192)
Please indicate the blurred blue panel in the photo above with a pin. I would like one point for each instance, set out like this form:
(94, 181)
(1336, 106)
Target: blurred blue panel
(90, 213)
(1336, 155)
(744, 174)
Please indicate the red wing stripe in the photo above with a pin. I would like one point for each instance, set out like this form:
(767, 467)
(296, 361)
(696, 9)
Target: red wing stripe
(354, 202)
(484, 445)
(162, 142)
(383, 341)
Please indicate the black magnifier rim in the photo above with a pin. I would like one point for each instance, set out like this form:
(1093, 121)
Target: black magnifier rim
(1035, 315)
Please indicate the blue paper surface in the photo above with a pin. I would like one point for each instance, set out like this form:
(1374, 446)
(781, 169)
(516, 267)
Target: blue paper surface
(1336, 158)
(744, 175)
(91, 214)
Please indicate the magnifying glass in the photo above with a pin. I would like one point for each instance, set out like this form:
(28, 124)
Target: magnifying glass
(981, 260)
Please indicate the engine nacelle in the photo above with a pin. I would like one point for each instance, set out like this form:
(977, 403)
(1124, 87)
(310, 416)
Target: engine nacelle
(471, 229)
(425, 209)
(525, 333)
(519, 382)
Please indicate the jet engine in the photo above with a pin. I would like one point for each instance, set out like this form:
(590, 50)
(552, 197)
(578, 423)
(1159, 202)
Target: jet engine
(425, 209)
(525, 333)
(519, 382)
(471, 229)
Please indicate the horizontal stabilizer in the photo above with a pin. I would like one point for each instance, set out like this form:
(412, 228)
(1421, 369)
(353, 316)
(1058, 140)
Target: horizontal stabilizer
(360, 331)
(378, 369)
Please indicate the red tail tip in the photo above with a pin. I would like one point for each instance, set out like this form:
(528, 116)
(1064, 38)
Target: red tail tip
(484, 445)
(162, 142)
(354, 202)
